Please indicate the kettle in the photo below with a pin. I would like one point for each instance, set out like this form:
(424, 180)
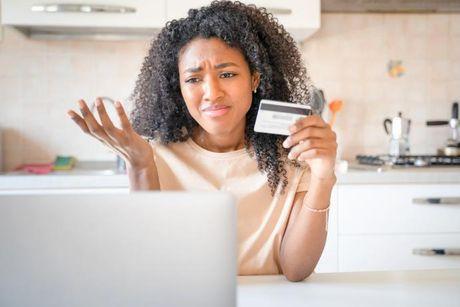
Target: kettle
(452, 147)
(399, 132)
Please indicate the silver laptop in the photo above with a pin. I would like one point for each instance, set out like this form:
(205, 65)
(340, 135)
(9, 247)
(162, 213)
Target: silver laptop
(139, 249)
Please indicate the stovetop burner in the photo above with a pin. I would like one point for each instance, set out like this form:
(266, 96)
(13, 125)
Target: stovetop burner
(411, 160)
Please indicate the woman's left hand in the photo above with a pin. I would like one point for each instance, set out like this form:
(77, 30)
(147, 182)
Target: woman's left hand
(313, 141)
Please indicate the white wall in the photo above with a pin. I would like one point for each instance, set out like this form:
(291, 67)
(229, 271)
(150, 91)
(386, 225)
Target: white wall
(40, 81)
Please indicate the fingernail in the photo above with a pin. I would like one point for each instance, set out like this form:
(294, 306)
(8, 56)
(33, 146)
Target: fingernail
(70, 114)
(286, 143)
(290, 156)
(81, 104)
(98, 103)
(117, 104)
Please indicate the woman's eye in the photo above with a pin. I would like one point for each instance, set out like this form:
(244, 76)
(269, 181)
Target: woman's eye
(227, 75)
(192, 80)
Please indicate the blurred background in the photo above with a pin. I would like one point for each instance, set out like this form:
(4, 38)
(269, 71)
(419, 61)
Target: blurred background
(387, 75)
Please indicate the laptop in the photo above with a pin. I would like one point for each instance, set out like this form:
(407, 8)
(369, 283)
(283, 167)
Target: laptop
(139, 249)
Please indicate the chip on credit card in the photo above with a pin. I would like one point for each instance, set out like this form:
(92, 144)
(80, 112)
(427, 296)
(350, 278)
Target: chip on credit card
(276, 117)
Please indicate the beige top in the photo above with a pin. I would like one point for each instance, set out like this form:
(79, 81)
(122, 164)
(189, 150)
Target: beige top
(262, 218)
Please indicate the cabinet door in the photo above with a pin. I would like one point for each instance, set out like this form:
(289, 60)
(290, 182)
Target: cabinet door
(101, 13)
(329, 258)
(393, 209)
(395, 252)
(299, 17)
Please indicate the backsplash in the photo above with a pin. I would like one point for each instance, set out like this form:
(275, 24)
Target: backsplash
(347, 58)
(41, 80)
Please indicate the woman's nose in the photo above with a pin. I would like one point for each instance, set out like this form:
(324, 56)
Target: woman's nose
(212, 90)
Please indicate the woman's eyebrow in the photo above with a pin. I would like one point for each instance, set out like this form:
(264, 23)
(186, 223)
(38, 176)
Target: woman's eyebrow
(218, 66)
(223, 65)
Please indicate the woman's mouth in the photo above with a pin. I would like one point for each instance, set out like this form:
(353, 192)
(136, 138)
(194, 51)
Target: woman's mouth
(215, 111)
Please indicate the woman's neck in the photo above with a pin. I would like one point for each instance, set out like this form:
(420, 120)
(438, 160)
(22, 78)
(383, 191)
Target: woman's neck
(219, 142)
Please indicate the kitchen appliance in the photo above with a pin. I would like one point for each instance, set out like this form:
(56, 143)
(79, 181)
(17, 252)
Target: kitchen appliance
(399, 132)
(452, 147)
(408, 160)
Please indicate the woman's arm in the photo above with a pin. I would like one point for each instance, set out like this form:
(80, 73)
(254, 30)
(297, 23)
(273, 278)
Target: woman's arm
(145, 178)
(312, 141)
(305, 235)
(134, 149)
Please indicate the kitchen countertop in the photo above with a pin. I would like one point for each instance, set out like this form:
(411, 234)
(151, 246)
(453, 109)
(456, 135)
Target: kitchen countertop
(359, 174)
(102, 174)
(390, 288)
(85, 175)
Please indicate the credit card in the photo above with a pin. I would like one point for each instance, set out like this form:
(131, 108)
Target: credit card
(276, 117)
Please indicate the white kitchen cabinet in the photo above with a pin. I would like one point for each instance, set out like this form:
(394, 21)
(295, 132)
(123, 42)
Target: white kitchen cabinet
(66, 191)
(379, 226)
(300, 18)
(392, 208)
(385, 252)
(121, 13)
(135, 18)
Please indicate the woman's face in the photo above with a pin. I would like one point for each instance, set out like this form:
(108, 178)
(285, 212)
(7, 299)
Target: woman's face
(216, 84)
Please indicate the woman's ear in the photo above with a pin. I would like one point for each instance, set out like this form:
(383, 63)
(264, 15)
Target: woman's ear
(255, 81)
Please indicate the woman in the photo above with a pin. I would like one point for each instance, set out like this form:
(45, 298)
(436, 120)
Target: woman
(196, 100)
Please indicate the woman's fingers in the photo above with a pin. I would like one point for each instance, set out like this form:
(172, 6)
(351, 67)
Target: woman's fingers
(308, 127)
(311, 144)
(91, 122)
(315, 153)
(306, 133)
(106, 122)
(308, 121)
(87, 124)
(106, 132)
(124, 121)
(82, 124)
(79, 121)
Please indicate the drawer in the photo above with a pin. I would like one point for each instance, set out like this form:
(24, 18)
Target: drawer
(381, 209)
(395, 252)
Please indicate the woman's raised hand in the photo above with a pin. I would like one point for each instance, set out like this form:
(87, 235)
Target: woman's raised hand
(136, 151)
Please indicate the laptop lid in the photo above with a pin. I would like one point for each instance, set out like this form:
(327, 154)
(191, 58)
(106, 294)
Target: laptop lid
(138, 249)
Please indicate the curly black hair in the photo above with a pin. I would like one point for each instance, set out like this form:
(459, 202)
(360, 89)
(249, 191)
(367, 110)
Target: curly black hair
(159, 110)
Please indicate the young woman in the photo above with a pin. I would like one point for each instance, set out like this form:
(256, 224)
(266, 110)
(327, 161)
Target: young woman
(195, 104)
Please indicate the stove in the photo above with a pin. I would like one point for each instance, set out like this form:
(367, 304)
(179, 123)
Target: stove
(409, 161)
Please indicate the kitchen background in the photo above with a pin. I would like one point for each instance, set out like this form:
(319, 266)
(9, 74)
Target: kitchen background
(348, 58)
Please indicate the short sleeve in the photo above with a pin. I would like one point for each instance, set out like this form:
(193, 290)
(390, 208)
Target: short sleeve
(304, 182)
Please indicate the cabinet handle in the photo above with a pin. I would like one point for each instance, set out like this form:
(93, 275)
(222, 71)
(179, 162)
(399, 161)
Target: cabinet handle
(81, 8)
(279, 11)
(436, 251)
(437, 201)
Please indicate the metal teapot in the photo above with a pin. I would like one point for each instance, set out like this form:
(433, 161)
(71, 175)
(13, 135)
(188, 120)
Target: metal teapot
(399, 132)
